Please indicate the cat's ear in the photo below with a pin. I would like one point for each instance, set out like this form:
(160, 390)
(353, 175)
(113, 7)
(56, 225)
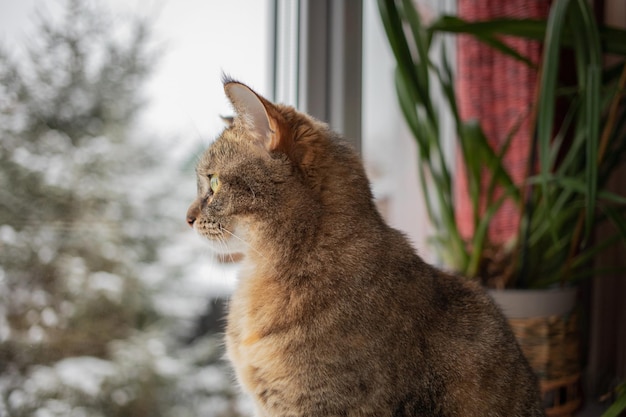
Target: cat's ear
(255, 113)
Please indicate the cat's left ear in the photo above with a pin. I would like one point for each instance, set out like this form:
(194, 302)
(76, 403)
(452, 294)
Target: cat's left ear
(256, 113)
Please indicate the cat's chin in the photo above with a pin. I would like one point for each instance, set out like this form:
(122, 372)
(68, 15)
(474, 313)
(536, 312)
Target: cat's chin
(227, 245)
(226, 249)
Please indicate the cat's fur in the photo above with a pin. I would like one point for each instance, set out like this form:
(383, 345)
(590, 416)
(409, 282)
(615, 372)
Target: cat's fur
(334, 313)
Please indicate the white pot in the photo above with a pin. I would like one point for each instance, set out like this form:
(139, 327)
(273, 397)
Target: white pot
(534, 303)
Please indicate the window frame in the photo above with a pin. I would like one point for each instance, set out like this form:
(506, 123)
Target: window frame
(317, 61)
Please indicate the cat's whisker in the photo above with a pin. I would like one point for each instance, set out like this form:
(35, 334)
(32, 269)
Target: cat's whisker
(247, 245)
(223, 244)
(242, 241)
(230, 253)
(227, 250)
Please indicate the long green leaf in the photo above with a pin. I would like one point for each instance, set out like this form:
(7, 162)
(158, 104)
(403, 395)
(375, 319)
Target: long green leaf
(580, 275)
(612, 39)
(546, 101)
(495, 161)
(526, 28)
(480, 237)
(611, 197)
(473, 167)
(486, 32)
(616, 409)
(438, 204)
(446, 79)
(501, 46)
(571, 160)
(499, 173)
(407, 106)
(421, 41)
(590, 46)
(588, 255)
(393, 27)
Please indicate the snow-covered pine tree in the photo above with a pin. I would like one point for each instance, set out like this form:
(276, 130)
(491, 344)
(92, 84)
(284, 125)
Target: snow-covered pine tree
(81, 220)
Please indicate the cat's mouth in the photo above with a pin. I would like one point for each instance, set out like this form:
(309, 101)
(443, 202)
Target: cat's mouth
(221, 240)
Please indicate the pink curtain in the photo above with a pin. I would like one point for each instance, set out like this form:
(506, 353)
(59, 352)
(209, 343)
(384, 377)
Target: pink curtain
(498, 91)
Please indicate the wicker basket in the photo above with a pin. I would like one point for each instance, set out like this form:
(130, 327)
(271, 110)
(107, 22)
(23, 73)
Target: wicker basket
(552, 347)
(562, 397)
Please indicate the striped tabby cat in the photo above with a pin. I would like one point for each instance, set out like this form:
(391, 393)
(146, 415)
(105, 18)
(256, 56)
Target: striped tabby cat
(334, 313)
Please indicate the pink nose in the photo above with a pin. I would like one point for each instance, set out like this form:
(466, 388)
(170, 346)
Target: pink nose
(193, 212)
(191, 220)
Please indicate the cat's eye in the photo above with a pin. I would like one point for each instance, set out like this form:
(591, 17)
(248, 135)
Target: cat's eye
(214, 183)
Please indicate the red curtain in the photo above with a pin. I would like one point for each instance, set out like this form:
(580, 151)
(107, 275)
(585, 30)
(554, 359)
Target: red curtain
(498, 91)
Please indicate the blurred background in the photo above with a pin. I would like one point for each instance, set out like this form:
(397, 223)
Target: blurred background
(109, 304)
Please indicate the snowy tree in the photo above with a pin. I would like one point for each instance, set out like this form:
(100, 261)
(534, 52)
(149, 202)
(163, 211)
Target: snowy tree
(82, 224)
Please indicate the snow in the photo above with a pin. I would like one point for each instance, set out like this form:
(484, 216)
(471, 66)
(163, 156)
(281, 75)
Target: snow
(85, 374)
(107, 284)
(36, 334)
(5, 329)
(8, 235)
(49, 317)
(17, 399)
(204, 278)
(135, 253)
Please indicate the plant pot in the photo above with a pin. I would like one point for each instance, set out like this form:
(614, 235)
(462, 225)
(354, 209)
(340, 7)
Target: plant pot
(546, 325)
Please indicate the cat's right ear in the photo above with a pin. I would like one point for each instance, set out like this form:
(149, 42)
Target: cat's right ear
(255, 113)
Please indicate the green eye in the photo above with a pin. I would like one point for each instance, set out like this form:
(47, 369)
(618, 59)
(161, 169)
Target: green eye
(214, 183)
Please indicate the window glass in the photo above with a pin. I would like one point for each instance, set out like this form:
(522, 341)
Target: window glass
(388, 148)
(109, 303)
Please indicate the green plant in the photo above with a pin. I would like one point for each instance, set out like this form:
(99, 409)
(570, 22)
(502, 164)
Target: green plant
(565, 196)
(619, 405)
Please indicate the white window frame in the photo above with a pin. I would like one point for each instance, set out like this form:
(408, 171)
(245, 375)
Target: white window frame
(317, 58)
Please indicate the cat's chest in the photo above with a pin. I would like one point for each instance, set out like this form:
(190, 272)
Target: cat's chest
(261, 333)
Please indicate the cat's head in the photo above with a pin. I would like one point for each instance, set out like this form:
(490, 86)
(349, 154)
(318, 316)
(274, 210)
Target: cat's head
(271, 176)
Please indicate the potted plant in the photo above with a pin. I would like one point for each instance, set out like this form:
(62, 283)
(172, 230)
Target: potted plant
(564, 195)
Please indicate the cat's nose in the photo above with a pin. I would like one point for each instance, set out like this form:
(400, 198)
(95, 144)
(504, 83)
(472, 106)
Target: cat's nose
(191, 220)
(193, 212)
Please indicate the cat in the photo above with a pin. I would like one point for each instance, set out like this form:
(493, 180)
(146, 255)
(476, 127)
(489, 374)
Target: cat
(334, 313)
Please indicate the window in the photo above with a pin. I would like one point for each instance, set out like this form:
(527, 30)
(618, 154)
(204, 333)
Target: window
(104, 290)
(332, 60)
